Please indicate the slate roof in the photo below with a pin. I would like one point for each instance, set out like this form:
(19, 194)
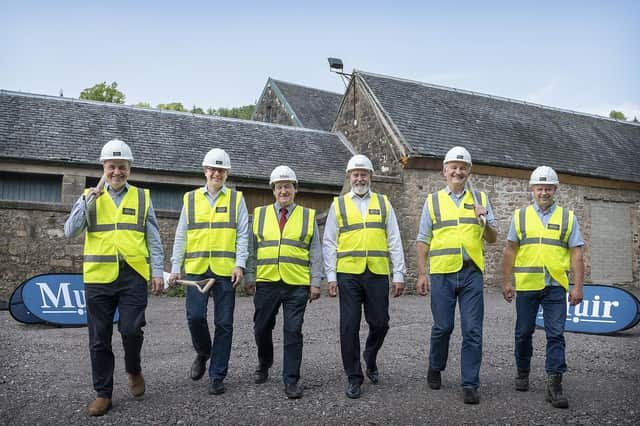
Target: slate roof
(505, 132)
(63, 130)
(314, 108)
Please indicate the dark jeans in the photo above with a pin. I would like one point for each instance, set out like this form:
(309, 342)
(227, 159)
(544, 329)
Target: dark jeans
(224, 300)
(372, 290)
(128, 293)
(267, 301)
(465, 287)
(554, 310)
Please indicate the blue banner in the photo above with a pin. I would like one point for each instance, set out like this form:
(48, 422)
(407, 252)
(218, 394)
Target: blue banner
(52, 299)
(604, 310)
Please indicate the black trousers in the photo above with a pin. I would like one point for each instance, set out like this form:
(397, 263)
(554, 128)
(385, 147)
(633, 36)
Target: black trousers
(267, 301)
(128, 293)
(372, 291)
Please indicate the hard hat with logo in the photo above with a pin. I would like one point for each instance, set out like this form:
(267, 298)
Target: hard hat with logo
(283, 174)
(359, 161)
(457, 153)
(544, 175)
(217, 158)
(116, 149)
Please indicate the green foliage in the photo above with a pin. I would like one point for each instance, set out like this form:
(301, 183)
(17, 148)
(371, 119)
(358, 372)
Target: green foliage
(103, 92)
(173, 106)
(143, 105)
(617, 115)
(197, 110)
(635, 119)
(176, 291)
(244, 112)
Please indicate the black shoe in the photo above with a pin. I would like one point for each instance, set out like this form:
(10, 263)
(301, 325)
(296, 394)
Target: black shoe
(353, 391)
(522, 380)
(260, 375)
(470, 395)
(216, 387)
(198, 367)
(434, 378)
(554, 392)
(293, 390)
(373, 375)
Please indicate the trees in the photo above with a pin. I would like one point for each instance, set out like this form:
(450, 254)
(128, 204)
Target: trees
(103, 92)
(173, 106)
(617, 115)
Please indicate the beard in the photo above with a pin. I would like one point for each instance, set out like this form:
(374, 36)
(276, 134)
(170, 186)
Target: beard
(361, 189)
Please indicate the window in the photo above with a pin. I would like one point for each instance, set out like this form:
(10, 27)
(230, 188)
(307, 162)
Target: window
(30, 187)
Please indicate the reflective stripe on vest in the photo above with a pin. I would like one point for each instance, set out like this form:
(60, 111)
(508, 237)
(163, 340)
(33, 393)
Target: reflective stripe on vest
(115, 233)
(454, 227)
(283, 256)
(542, 248)
(211, 232)
(362, 243)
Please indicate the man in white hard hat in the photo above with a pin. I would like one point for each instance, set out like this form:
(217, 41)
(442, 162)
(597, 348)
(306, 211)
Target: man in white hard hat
(361, 236)
(543, 243)
(454, 222)
(122, 253)
(288, 273)
(211, 242)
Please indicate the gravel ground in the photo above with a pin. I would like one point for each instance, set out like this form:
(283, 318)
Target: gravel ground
(45, 375)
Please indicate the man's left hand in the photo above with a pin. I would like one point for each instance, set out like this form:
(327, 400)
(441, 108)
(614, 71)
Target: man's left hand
(575, 295)
(397, 289)
(236, 276)
(314, 293)
(157, 285)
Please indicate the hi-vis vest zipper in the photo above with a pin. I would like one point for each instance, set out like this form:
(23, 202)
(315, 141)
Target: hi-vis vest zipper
(113, 232)
(211, 232)
(362, 243)
(542, 248)
(283, 256)
(454, 227)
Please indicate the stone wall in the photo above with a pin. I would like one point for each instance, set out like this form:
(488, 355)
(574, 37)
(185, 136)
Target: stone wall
(271, 110)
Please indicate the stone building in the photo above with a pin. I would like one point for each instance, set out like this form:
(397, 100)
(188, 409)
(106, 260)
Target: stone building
(49, 149)
(406, 127)
(294, 105)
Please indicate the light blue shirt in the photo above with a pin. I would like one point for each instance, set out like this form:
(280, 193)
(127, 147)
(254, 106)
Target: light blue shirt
(330, 240)
(315, 251)
(77, 223)
(425, 231)
(575, 236)
(242, 233)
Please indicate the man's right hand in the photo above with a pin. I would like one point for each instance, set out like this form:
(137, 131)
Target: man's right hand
(93, 193)
(249, 288)
(508, 291)
(172, 278)
(422, 285)
(332, 288)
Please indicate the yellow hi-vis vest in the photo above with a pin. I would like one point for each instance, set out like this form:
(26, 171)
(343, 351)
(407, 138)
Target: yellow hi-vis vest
(211, 232)
(362, 243)
(283, 256)
(542, 248)
(454, 227)
(116, 231)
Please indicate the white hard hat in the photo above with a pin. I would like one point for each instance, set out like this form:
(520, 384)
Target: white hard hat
(458, 153)
(283, 174)
(544, 175)
(359, 161)
(217, 158)
(116, 149)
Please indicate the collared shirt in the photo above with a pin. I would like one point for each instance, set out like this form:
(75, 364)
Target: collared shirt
(77, 223)
(425, 231)
(575, 236)
(394, 242)
(242, 232)
(315, 251)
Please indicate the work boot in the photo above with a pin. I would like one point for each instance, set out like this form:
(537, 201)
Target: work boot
(198, 367)
(260, 375)
(554, 391)
(99, 406)
(136, 384)
(522, 380)
(216, 386)
(434, 378)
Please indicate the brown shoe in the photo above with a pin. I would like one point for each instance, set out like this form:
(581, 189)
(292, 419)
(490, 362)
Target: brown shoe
(136, 384)
(99, 406)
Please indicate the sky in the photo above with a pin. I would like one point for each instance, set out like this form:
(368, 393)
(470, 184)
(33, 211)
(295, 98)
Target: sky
(578, 55)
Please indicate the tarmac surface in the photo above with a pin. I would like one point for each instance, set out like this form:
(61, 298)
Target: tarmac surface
(45, 374)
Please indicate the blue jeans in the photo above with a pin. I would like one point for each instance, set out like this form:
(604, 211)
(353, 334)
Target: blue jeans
(466, 287)
(554, 310)
(267, 301)
(224, 300)
(356, 290)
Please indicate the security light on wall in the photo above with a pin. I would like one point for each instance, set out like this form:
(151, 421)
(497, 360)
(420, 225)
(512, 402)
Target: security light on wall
(335, 65)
